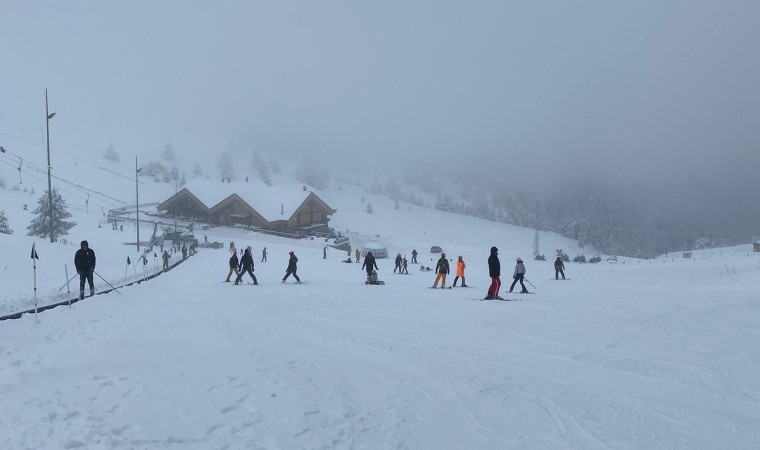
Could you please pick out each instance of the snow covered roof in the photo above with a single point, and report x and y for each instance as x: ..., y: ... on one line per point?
x: 374, y: 245
x: 273, y: 203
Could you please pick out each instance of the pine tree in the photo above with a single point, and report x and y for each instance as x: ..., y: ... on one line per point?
x: 225, y: 166
x: 169, y: 153
x: 4, y: 227
x: 111, y: 154
x: 41, y: 226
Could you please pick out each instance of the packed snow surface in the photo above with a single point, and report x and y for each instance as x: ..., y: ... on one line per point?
x: 630, y: 354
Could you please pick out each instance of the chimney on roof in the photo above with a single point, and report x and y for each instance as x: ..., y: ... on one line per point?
x: 304, y: 188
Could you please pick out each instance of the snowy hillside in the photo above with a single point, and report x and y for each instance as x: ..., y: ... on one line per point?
x: 628, y: 354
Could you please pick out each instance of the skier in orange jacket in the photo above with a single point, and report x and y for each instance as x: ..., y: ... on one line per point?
x: 460, y: 272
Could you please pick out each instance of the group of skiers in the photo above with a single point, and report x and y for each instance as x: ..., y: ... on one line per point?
x: 245, y: 265
x: 401, y: 265
x: 84, y: 261
x: 494, y: 271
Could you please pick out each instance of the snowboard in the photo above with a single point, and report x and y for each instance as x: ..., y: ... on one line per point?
x: 561, y: 279
x: 435, y: 287
x: 379, y: 283
x: 468, y: 286
x: 499, y: 300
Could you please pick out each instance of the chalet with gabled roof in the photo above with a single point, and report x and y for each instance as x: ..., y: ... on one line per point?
x: 254, y: 204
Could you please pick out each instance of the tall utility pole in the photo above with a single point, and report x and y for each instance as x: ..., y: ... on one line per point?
x: 538, y: 227
x: 49, y: 116
x: 137, y: 204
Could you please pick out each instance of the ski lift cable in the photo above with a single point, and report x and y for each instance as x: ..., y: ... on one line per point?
x: 109, y: 201
x: 74, y: 194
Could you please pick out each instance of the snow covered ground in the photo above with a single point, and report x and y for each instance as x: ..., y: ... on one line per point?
x: 629, y: 355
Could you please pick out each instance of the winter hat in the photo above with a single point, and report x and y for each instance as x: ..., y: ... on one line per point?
x: 519, y: 260
x: 494, y: 250
x: 443, y: 255
x: 291, y: 253
x: 84, y: 244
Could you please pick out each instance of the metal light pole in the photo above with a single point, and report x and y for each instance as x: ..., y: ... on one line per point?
x: 49, y: 116
x: 137, y: 204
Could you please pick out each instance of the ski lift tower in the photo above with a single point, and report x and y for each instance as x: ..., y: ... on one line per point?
x: 536, y: 255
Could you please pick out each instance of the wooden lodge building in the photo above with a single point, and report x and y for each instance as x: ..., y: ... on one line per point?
x: 251, y: 204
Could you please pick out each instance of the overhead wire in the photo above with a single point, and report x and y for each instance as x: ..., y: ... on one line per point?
x: 97, y: 198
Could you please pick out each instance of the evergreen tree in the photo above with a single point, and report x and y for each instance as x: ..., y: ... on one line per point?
x: 169, y: 153
x: 262, y: 168
x: 225, y: 166
x: 4, y: 227
x: 42, y: 226
x: 111, y: 154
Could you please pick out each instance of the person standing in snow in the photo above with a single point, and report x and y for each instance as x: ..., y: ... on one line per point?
x: 292, y: 268
x: 369, y: 263
x: 398, y: 264
x: 358, y: 255
x: 324, y: 253
x: 246, y: 266
x: 460, y: 272
x: 404, y: 266
x: 165, y: 257
x: 264, y: 255
x: 84, y: 262
x: 559, y: 268
x: 519, y: 276
x: 233, y: 266
x: 441, y: 270
x: 494, y: 271
x: 414, y: 256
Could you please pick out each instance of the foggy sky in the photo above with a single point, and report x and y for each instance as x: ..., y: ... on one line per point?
x: 662, y: 95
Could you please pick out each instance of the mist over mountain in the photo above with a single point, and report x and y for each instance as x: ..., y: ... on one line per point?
x: 632, y: 126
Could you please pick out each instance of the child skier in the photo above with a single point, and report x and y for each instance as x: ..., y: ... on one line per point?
x: 519, y: 276
x: 460, y: 272
x: 292, y: 268
x: 233, y: 266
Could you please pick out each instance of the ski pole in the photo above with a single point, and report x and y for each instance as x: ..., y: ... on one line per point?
x: 107, y: 282
x: 67, y: 283
x: 529, y: 282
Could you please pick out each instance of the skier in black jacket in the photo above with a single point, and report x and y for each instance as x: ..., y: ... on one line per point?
x: 233, y: 266
x: 398, y: 264
x: 494, y: 271
x: 292, y: 268
x: 84, y: 262
x: 559, y: 268
x: 441, y: 270
x: 246, y: 266
x: 369, y: 263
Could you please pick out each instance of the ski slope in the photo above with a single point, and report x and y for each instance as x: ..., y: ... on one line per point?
x: 628, y: 355
x: 660, y: 354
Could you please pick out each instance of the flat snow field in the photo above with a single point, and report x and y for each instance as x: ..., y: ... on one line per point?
x: 654, y: 354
